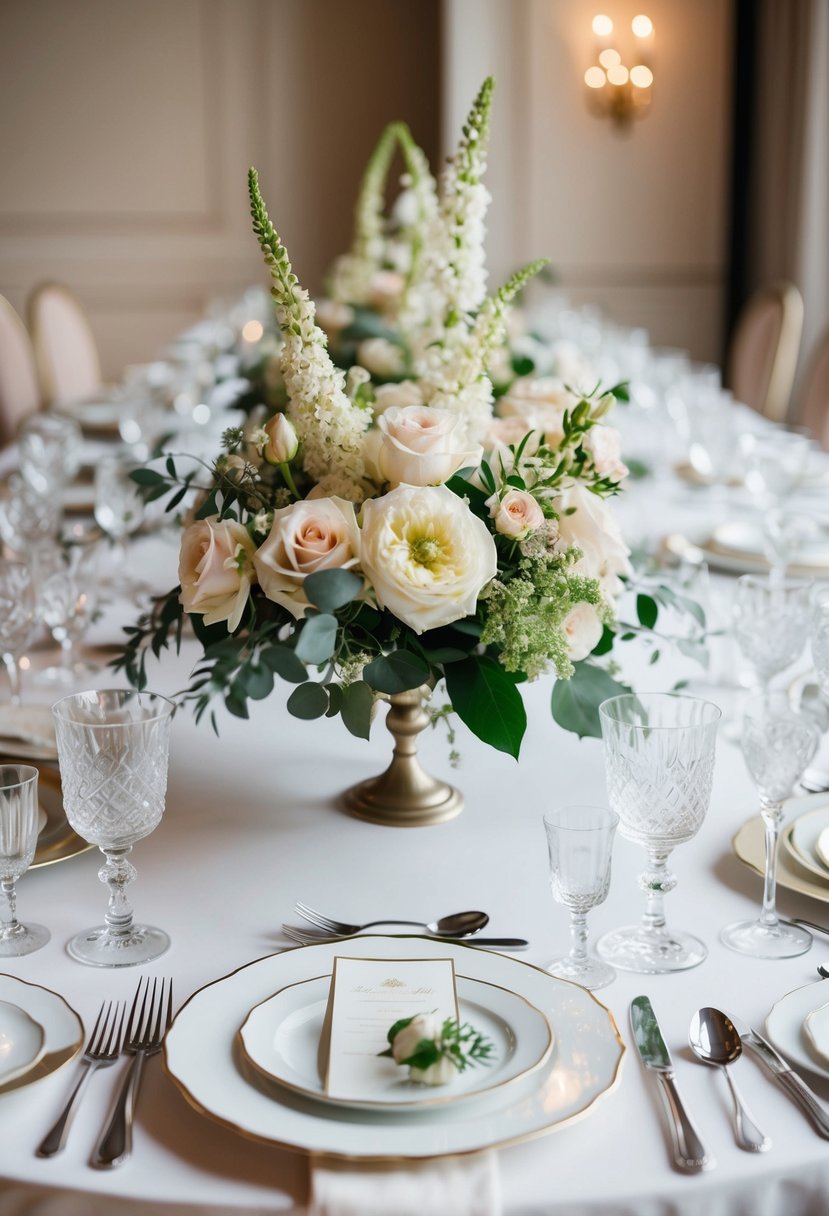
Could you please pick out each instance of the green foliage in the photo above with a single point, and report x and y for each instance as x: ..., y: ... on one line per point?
x: 398, y: 671
x: 487, y: 701
x: 575, y: 702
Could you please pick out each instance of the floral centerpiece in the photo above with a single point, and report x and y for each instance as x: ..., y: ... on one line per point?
x: 378, y: 535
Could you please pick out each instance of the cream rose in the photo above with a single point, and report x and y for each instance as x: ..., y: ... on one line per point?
x: 516, y: 514
x: 422, y: 446
x: 603, y: 445
x: 318, y: 534
x: 406, y: 1042
x: 582, y: 629
x: 593, y: 529
x: 407, y: 392
x: 540, y: 405
x: 509, y: 432
x: 215, y: 570
x: 427, y: 556
x: 386, y: 288
x: 381, y: 357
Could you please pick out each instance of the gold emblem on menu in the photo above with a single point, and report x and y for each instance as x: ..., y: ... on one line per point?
x: 393, y: 983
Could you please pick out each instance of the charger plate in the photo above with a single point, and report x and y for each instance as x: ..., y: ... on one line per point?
x: 749, y: 846
x: 203, y: 1058
x: 786, y: 1027
x: 710, y: 549
x: 281, y: 1038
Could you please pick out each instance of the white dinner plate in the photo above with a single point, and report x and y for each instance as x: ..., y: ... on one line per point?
x: 802, y: 839
x: 816, y: 1033
x: 737, y: 561
x: 22, y: 1042
x: 203, y: 1057
x: 62, y: 1028
x: 785, y: 1026
x: 281, y: 1038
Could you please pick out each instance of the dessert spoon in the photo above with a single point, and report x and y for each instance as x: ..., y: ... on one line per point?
x: 715, y: 1041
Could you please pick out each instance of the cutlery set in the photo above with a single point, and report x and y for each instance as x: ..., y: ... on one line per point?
x: 457, y: 927
x: 139, y: 1034
x: 716, y: 1039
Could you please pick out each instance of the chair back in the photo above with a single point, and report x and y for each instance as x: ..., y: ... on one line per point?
x: 764, y: 348
x: 814, y: 394
x: 65, y: 348
x: 19, y: 392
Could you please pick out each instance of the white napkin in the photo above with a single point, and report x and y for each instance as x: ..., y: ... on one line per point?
x: 29, y: 723
x: 450, y: 1186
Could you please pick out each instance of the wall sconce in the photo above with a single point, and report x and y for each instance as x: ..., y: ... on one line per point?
x: 619, y: 92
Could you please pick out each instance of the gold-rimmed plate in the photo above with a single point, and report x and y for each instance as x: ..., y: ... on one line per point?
x: 203, y: 1057
x: 62, y: 1028
x: 280, y: 1037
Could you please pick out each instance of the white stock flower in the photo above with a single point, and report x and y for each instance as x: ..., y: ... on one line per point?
x: 427, y: 556
x: 315, y: 534
x: 592, y: 528
x: 582, y: 629
x: 215, y: 570
x: 422, y: 446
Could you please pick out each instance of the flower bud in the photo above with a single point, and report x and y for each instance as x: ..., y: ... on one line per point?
x: 282, y: 442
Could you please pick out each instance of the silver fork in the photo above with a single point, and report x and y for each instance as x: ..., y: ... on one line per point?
x: 102, y: 1049
x: 310, y: 937
x: 146, y: 1029
x: 338, y: 927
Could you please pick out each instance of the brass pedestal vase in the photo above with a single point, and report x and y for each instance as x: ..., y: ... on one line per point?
x: 405, y: 795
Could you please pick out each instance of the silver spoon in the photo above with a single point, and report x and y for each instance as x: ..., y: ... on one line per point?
x: 458, y: 924
x: 714, y: 1040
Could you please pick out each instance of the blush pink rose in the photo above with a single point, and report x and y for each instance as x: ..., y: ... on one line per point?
x: 516, y: 514
x: 315, y: 534
x: 422, y: 446
x: 215, y: 570
x: 603, y: 445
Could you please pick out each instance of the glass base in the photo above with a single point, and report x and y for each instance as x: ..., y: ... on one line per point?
x: 23, y: 940
x: 99, y: 947
x: 650, y: 952
x: 590, y: 973
x: 752, y: 937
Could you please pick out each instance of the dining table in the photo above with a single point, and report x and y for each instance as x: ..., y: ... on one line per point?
x: 254, y: 823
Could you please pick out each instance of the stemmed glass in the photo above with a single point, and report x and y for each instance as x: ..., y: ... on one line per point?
x: 17, y: 613
x: 66, y: 602
x: 777, y: 744
x: 820, y: 638
x: 49, y: 452
x: 771, y: 623
x: 774, y: 462
x: 18, y: 840
x: 580, y: 844
x: 659, y: 757
x: 113, y: 748
x: 119, y: 510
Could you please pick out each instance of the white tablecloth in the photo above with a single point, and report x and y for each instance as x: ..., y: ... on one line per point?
x: 252, y: 825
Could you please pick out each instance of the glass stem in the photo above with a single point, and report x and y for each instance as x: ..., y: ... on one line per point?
x: 656, y: 881
x: 13, y: 672
x: 578, y: 933
x: 772, y: 817
x: 9, y: 924
x: 117, y: 872
x: 67, y: 653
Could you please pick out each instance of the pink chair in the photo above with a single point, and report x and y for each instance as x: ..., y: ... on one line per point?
x: 19, y: 392
x: 65, y: 349
x: 764, y: 348
x: 814, y: 395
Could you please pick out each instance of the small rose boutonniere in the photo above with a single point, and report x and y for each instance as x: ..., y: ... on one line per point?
x: 434, y: 1050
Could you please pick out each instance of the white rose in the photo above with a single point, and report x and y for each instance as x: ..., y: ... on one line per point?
x: 407, y: 392
x: 540, y: 405
x: 603, y: 445
x: 423, y: 446
x: 318, y: 534
x: 385, y: 289
x: 593, y: 529
x: 407, y: 1040
x: 509, y: 432
x: 215, y: 570
x: 427, y: 556
x: 582, y: 629
x: 516, y: 514
x: 381, y: 357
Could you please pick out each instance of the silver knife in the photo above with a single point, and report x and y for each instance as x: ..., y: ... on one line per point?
x: 689, y: 1152
x: 785, y: 1075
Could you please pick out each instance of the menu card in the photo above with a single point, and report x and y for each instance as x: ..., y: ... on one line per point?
x: 367, y: 996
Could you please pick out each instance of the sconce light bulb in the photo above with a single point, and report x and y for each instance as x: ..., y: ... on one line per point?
x: 602, y: 26
x: 595, y: 78
x: 252, y: 331
x: 618, y: 75
x: 610, y: 58
x: 642, y: 26
x: 641, y: 77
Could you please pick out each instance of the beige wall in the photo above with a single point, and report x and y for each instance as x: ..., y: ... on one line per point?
x: 126, y: 129
x: 636, y: 222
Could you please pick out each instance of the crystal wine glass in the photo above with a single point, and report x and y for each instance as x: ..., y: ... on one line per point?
x: 659, y: 757
x: 119, y: 510
x: 777, y: 744
x: 820, y: 638
x: 113, y: 748
x: 66, y: 603
x: 17, y: 614
x: 49, y: 452
x: 775, y: 461
x: 771, y: 623
x: 580, y: 844
x: 18, y: 840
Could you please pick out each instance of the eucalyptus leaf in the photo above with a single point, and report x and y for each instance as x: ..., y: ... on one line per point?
x: 647, y: 610
x: 357, y: 704
x: 398, y: 671
x: 329, y: 590
x: 309, y: 700
x: 317, y: 638
x: 283, y: 661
